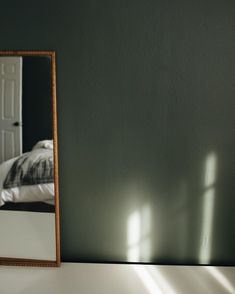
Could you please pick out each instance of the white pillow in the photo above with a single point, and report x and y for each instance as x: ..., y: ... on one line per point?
x: 47, y: 144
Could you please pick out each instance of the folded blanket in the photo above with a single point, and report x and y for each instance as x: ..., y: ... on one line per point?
x: 32, y: 168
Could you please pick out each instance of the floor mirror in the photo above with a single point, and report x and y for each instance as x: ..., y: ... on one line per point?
x: 29, y: 194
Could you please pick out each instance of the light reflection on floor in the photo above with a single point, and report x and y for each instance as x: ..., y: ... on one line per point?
x: 221, y: 279
x: 184, y: 279
x: 147, y: 279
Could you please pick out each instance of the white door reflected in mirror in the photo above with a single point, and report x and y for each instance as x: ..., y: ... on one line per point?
x: 11, y: 104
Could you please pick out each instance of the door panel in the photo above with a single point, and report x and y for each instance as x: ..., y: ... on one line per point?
x: 11, y: 107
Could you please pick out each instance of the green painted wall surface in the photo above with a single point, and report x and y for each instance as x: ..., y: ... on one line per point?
x: 146, y: 124
x: 36, y: 101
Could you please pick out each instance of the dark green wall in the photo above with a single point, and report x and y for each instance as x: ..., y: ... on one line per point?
x: 36, y: 100
x: 145, y: 95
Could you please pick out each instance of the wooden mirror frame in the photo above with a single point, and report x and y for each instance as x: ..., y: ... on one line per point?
x: 36, y: 262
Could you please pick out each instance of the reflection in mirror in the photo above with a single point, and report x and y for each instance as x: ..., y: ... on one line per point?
x: 28, y: 191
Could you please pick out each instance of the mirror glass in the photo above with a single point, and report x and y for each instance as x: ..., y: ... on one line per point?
x: 28, y: 229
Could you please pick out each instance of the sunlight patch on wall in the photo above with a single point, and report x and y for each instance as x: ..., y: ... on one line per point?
x: 133, y: 236
x: 208, y: 208
x: 210, y: 171
x: 138, y: 235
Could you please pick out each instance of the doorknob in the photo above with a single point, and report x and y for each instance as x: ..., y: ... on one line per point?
x: 16, y: 124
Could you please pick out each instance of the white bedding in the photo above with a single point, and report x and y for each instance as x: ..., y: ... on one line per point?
x: 29, y: 193
x: 32, y: 193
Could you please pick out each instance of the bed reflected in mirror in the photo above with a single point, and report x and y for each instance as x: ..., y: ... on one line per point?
x: 28, y: 159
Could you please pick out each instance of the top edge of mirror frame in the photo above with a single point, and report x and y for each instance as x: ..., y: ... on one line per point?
x: 51, y: 53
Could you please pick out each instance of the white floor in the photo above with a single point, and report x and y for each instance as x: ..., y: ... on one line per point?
x: 117, y: 279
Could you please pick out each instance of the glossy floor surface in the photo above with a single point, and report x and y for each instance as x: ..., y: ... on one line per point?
x: 117, y: 279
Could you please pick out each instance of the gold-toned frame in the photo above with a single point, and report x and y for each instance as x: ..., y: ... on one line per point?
x: 36, y: 262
